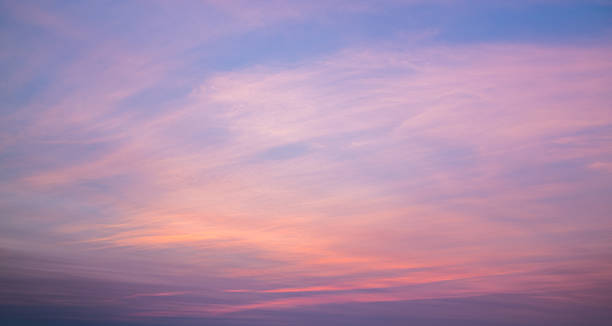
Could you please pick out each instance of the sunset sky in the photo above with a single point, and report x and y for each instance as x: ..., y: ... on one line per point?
x: 323, y: 162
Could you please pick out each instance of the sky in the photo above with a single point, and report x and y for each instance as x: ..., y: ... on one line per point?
x: 280, y: 162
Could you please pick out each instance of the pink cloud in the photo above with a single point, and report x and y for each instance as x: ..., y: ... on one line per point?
x: 415, y: 168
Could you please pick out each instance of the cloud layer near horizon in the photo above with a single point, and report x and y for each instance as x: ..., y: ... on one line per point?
x: 145, y: 186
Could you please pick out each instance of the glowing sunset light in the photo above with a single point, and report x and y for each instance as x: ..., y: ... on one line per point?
x: 306, y: 163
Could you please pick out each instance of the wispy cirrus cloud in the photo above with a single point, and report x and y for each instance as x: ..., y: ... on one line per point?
x: 378, y: 174
x: 406, y: 161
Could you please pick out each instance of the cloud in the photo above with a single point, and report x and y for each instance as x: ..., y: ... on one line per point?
x: 601, y: 166
x: 437, y: 172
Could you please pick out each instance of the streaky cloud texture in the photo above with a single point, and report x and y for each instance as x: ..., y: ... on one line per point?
x: 299, y: 163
